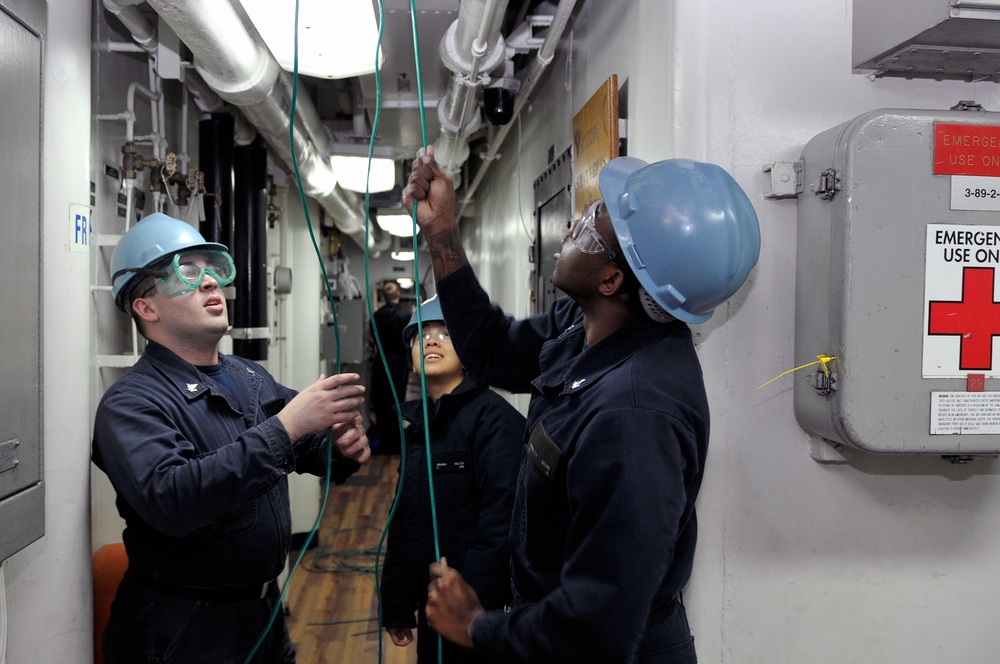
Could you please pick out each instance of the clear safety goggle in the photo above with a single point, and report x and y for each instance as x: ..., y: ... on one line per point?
x: 436, y: 335
x: 583, y: 234
x: 187, y: 269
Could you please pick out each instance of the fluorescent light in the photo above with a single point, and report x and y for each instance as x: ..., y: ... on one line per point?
x: 406, y: 283
x: 336, y: 39
x: 402, y: 255
x: 352, y: 173
x: 400, y: 225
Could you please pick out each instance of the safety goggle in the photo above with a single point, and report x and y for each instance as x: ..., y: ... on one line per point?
x: 583, y: 234
x: 187, y: 270
x: 437, y: 335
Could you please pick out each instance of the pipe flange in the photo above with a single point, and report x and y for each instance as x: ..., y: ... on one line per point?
x: 250, y: 333
x: 461, y: 63
x: 475, y: 120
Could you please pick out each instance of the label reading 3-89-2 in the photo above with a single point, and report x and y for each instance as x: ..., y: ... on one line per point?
x: 973, y: 192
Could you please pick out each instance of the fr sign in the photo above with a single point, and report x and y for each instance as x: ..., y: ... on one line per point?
x: 962, y: 301
x: 79, y: 228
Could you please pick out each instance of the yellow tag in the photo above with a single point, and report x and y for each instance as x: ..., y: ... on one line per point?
x: 821, y: 360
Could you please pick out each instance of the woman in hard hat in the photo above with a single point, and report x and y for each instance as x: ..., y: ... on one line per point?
x: 475, y: 445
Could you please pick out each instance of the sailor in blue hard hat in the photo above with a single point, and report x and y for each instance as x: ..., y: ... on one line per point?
x: 170, y: 257
x: 604, y: 529
x: 198, y: 445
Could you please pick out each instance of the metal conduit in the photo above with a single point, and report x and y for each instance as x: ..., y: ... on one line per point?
x: 542, y: 61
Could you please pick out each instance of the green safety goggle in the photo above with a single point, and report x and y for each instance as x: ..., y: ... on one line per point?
x: 187, y: 269
x: 190, y: 268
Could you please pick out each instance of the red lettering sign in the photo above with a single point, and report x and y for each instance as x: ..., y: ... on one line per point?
x: 961, y: 149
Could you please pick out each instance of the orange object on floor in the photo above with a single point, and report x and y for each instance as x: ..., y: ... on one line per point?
x: 110, y: 562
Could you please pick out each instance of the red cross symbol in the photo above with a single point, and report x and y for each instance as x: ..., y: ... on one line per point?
x: 975, y: 318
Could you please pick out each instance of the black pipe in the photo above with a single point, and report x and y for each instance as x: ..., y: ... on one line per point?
x: 250, y: 250
x: 215, y: 157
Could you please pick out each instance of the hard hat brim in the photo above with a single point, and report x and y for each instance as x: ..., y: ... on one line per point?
x: 611, y: 181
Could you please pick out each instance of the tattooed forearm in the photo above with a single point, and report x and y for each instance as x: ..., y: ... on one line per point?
x: 447, y: 251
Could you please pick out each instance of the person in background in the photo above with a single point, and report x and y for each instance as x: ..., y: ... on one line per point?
x: 390, y: 319
x: 475, y: 442
x: 198, y: 446
x: 604, y: 529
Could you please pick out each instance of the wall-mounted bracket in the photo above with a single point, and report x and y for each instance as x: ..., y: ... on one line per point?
x: 786, y: 178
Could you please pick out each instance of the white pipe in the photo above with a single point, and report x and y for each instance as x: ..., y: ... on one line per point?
x: 134, y: 87
x: 142, y: 30
x: 542, y: 60
x: 124, y: 47
x: 183, y: 156
x: 210, y: 102
x: 479, y: 49
x: 246, y: 75
x: 128, y: 184
x: 465, y: 49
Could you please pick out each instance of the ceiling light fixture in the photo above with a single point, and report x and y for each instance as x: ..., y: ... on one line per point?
x: 336, y: 39
x: 402, y: 256
x: 353, y: 174
x: 400, y: 225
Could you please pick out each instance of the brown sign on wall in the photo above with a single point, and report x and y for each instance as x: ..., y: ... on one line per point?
x: 595, y: 142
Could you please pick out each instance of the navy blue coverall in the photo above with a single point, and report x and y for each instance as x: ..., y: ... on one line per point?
x: 603, y: 533
x: 476, y: 443
x: 200, y: 464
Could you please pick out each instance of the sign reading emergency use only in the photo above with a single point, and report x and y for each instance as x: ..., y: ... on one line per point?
x: 962, y: 301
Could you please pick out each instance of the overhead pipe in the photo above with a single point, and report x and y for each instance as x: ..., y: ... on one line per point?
x: 141, y: 29
x: 209, y: 102
x: 245, y: 74
x: 542, y: 60
x: 471, y: 48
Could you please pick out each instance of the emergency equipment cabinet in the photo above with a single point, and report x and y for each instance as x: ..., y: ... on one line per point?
x: 898, y: 258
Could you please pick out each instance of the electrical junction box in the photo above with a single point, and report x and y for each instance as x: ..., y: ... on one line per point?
x: 898, y: 250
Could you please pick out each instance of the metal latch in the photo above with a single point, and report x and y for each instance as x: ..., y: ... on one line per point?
x: 967, y: 105
x: 824, y: 383
x: 8, y: 455
x: 828, y: 184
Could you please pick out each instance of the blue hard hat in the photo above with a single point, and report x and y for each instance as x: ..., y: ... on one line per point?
x: 430, y: 310
x: 687, y: 229
x: 153, y: 238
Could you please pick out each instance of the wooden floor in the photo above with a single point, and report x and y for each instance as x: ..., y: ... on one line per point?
x: 333, y: 609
